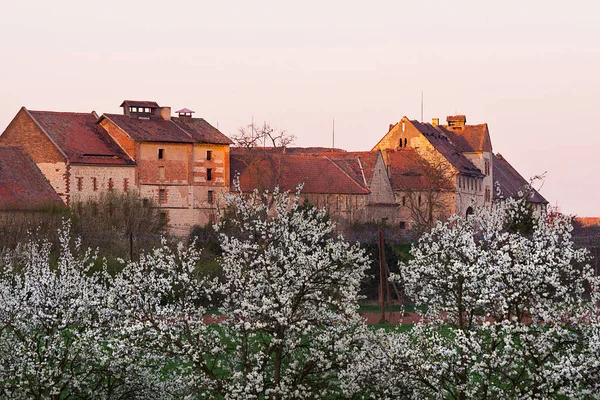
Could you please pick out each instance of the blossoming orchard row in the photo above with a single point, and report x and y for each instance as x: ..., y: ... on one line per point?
x: 510, y: 315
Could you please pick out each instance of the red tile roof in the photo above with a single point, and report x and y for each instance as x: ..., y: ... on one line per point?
x: 80, y: 138
x: 149, y: 129
x: 201, y: 131
x: 436, y: 136
x: 22, y: 185
x: 470, y: 138
x: 360, y: 165
x: 511, y: 181
x: 588, y: 221
x: 320, y: 175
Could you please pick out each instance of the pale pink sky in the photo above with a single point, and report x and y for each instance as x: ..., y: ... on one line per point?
x: 530, y: 69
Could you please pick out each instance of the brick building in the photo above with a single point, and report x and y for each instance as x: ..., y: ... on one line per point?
x: 181, y: 162
x: 78, y: 157
x: 416, y: 173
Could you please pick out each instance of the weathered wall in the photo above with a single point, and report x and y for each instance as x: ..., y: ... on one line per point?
x: 123, y: 140
x: 175, y: 163
x: 82, y: 178
x: 219, y: 164
x: 380, y: 186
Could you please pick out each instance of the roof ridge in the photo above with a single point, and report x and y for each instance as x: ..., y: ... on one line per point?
x: 62, y: 112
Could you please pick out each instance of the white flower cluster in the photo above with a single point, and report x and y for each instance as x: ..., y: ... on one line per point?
x: 507, y: 314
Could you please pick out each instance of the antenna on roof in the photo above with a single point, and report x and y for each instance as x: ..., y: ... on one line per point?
x: 333, y: 135
x: 421, y: 106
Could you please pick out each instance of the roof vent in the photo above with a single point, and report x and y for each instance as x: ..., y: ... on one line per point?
x: 185, y: 114
x: 456, y: 121
x: 435, y: 121
x: 139, y: 108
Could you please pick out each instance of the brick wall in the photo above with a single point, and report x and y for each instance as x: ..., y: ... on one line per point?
x: 23, y: 131
x: 126, y: 143
x: 218, y: 164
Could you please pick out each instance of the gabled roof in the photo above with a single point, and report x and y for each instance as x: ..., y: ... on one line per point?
x: 408, y: 170
x: 201, y: 131
x: 79, y: 137
x: 22, y: 185
x: 359, y: 165
x: 320, y: 175
x: 446, y: 148
x: 511, y: 181
x: 149, y: 129
x: 139, y: 103
x: 470, y: 138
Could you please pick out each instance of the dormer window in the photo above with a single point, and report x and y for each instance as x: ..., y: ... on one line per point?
x: 139, y: 108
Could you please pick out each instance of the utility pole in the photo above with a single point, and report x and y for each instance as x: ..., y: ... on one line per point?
x: 383, y: 274
x: 421, y: 106
x: 333, y: 136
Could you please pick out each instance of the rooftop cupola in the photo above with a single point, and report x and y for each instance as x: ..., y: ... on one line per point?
x: 456, y: 121
x: 135, y: 108
x: 185, y: 114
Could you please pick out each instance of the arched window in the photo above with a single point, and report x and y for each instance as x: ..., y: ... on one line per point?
x: 469, y: 211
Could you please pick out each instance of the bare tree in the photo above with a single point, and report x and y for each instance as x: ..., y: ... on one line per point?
x: 263, y: 148
x: 431, y: 200
x: 265, y: 136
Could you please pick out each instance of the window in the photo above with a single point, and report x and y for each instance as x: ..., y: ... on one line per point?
x: 403, y: 200
x: 162, y: 196
x: 111, y: 184
x: 79, y: 184
x: 487, y: 194
x: 125, y: 184
x: 95, y: 184
x: 209, y: 174
x: 487, y: 166
x: 164, y: 218
x: 161, y: 173
x: 419, y: 200
x: 133, y: 109
x: 210, y: 197
x: 402, y: 225
x: 161, y: 154
x: 208, y: 155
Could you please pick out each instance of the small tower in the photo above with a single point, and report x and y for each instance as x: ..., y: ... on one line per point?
x: 185, y: 114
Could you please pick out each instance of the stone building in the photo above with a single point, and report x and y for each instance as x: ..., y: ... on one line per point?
x: 79, y: 159
x: 417, y: 172
x: 181, y: 162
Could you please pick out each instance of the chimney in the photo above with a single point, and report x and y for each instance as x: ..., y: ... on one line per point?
x: 165, y: 113
x: 435, y: 121
x: 391, y: 126
x: 456, y: 121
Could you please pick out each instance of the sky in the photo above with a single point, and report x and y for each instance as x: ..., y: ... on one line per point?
x: 529, y: 69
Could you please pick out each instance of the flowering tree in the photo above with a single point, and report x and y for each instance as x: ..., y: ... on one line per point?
x: 506, y: 312
x: 55, y: 323
x: 291, y: 297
